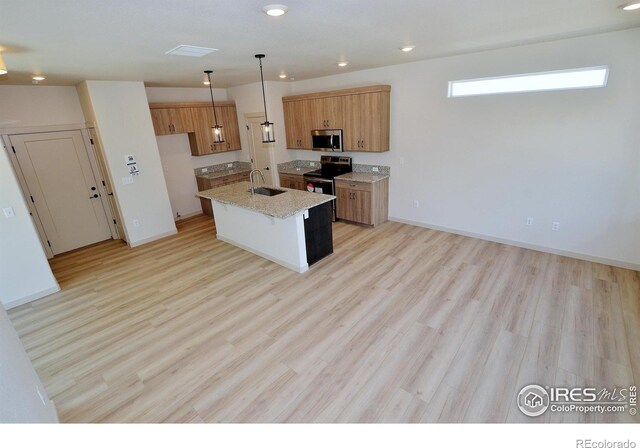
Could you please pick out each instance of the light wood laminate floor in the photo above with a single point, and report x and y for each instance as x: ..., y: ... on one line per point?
x: 400, y: 324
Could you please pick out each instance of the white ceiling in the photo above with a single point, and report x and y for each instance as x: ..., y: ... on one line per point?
x: 72, y: 40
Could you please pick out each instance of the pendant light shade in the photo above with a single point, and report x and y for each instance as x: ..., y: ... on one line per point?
x: 268, y: 135
x: 216, y: 130
x: 3, y: 68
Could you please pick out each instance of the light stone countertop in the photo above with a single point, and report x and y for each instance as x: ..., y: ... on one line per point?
x: 222, y: 173
x: 281, y: 206
x: 362, y: 177
x: 297, y: 171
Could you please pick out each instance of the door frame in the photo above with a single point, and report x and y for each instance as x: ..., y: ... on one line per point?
x: 24, y: 189
x: 249, y: 118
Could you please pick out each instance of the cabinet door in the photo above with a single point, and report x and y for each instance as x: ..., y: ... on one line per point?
x: 229, y: 119
x: 326, y: 113
x: 344, y: 208
x: 181, y: 120
x: 353, y: 205
x: 290, y: 128
x: 161, y: 119
x: 361, y: 206
x: 202, y: 141
x: 297, y: 123
x: 366, y: 122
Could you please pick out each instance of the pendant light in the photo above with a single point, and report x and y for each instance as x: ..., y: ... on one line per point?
x: 267, y: 128
x: 216, y: 129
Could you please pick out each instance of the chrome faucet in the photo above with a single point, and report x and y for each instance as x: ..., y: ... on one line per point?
x: 253, y: 191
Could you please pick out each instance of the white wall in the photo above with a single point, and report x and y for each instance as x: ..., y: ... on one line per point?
x: 19, y: 384
x: 482, y: 165
x: 248, y: 99
x: 121, y: 112
x: 28, y: 106
x: 175, y: 152
x: 25, y: 274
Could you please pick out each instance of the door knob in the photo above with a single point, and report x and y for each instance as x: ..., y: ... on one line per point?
x: 93, y: 188
x: 94, y: 196
x: 266, y: 168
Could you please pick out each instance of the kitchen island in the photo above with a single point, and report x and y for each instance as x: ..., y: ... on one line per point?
x: 291, y: 228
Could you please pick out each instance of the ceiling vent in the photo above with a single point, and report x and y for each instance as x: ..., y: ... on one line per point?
x: 190, y: 50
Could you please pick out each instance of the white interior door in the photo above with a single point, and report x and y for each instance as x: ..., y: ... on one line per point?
x: 63, y: 188
x: 261, y: 153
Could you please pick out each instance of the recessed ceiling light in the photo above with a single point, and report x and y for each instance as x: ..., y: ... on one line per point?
x: 275, y: 10
x: 631, y: 6
x: 38, y: 78
x: 408, y: 48
x: 283, y: 76
x: 190, y: 50
x: 343, y: 64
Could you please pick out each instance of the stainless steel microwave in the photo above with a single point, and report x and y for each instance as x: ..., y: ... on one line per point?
x: 327, y: 140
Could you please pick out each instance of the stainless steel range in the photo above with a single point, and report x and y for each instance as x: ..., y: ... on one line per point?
x: 321, y: 181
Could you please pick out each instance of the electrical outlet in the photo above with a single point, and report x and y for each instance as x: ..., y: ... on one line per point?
x: 127, y: 180
x: 529, y: 222
x: 312, y: 163
x: 416, y: 204
x: 229, y: 165
x: 401, y: 160
x: 375, y: 169
x: 9, y: 213
x: 136, y: 223
x: 555, y: 226
x: 205, y: 170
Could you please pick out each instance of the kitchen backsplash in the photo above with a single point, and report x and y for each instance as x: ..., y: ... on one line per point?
x: 385, y: 170
x: 293, y: 164
x: 222, y: 167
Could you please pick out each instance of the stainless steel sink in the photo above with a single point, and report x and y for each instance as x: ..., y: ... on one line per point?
x: 266, y: 191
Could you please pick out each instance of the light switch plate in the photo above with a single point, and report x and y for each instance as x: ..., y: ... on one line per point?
x: 8, y: 212
x: 127, y: 180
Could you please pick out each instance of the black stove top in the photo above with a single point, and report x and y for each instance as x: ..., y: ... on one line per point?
x: 331, y: 166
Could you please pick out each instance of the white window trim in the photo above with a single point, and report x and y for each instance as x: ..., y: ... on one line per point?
x: 493, y: 78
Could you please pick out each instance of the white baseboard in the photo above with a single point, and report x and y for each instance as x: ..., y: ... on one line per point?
x: 300, y: 269
x: 187, y: 215
x: 31, y: 297
x: 550, y: 250
x: 153, y: 238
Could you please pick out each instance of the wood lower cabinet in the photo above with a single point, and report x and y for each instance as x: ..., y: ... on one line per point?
x: 362, y: 202
x: 362, y: 113
x: 196, y: 120
x: 293, y: 181
x: 207, y: 184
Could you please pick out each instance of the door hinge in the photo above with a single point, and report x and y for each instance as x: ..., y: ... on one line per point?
x: 14, y: 149
x: 49, y: 243
x: 91, y: 140
x: 32, y: 199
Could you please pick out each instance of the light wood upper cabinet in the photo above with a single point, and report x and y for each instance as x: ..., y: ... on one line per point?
x: 362, y: 114
x: 171, y: 121
x: 297, y: 125
x: 326, y: 113
x: 196, y: 119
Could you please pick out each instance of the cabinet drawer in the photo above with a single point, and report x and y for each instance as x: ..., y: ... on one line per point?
x: 360, y: 186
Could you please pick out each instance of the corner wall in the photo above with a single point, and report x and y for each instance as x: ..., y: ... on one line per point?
x: 25, y: 274
x: 121, y: 112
